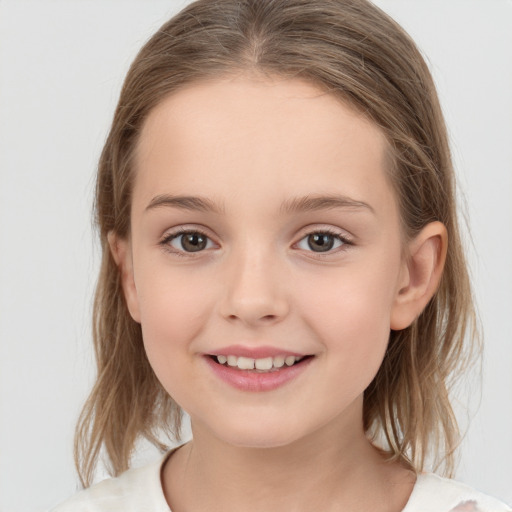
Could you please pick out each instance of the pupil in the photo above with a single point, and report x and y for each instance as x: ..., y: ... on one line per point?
x: 193, y: 242
x: 320, y: 242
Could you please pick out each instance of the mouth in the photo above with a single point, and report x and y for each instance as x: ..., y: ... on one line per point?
x: 260, y: 365
x: 255, y: 369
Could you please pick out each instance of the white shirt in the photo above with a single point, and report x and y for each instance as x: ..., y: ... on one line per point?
x: 140, y: 490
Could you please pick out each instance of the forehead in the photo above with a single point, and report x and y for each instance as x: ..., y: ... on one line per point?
x: 236, y: 135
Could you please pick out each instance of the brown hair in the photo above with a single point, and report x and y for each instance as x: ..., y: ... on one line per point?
x: 354, y: 50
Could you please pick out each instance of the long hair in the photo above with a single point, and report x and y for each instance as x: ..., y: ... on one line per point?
x: 355, y: 51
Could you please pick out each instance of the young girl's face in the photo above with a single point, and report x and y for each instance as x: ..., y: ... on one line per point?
x: 263, y: 229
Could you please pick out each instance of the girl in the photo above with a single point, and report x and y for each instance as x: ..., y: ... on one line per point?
x: 281, y: 260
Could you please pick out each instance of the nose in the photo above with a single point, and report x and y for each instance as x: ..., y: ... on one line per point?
x: 254, y: 290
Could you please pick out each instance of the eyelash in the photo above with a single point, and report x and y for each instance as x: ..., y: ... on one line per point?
x: 165, y: 242
x: 345, y: 241
x: 168, y: 238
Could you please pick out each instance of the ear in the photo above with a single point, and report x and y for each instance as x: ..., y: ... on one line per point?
x: 122, y: 254
x: 421, y: 274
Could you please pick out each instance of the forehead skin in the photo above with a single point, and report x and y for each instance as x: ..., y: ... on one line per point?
x: 243, y: 130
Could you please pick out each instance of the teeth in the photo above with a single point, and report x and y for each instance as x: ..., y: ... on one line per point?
x: 279, y: 361
x: 289, y: 360
x: 245, y: 363
x: 264, y: 364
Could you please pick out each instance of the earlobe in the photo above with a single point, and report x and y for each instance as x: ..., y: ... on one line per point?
x: 421, y: 274
x: 120, y: 249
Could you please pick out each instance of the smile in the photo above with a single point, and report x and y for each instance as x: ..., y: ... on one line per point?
x: 266, y: 364
x: 256, y: 374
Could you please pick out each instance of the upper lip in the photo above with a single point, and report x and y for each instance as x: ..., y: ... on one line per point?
x: 259, y: 352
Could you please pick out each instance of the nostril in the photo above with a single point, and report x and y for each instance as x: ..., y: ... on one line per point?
x: 268, y: 318
x: 253, y: 311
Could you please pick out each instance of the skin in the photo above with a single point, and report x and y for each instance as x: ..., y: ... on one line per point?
x: 251, y: 148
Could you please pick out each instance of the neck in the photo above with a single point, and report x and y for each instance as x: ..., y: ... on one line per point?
x: 325, y: 471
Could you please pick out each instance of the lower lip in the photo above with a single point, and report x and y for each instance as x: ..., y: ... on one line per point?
x: 246, y: 380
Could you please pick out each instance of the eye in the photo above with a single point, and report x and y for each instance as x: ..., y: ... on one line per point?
x: 322, y: 241
x: 188, y: 241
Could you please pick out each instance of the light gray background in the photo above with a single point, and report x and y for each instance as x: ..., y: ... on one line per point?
x: 61, y: 67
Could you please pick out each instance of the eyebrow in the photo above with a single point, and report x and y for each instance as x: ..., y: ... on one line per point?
x: 316, y: 202
x: 295, y: 205
x: 185, y: 203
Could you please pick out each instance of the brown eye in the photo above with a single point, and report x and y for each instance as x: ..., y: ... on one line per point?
x: 192, y: 241
x: 321, y: 242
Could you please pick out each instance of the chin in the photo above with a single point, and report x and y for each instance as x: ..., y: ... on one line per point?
x: 254, y: 434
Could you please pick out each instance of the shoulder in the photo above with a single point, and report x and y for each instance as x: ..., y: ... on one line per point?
x: 136, y: 490
x: 433, y: 493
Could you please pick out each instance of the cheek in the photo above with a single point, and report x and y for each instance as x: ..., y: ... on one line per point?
x: 350, y: 314
x: 174, y: 314
x: 173, y: 311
